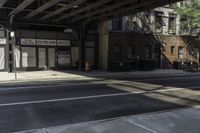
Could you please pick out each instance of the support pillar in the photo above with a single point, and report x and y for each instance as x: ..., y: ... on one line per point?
x: 103, y: 45
x: 10, y: 50
x: 83, y: 36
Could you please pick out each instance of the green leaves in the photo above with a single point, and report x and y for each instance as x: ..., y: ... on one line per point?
x: 191, y: 12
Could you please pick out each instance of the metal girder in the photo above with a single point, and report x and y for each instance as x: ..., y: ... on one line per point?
x: 42, y: 8
x: 20, y: 7
x: 71, y: 5
x: 107, y: 9
x: 2, y: 2
x: 95, y: 5
x: 37, y: 24
x: 132, y: 8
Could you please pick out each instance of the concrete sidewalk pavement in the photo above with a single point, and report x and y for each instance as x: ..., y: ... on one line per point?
x: 75, y: 75
x: 176, y: 121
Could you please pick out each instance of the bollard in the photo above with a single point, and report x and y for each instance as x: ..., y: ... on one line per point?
x: 87, y: 66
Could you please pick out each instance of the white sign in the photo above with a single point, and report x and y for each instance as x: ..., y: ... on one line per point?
x: 2, y: 41
x: 46, y: 42
x: 12, y: 34
x: 63, y: 42
x: 26, y: 41
x: 64, y: 58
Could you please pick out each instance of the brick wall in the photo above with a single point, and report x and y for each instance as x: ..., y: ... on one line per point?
x: 189, y: 44
x: 140, y: 41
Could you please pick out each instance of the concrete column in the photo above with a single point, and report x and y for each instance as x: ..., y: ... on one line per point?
x: 103, y: 45
x: 83, y: 35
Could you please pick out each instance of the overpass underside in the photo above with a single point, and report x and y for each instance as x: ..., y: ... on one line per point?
x: 58, y: 15
x: 62, y: 13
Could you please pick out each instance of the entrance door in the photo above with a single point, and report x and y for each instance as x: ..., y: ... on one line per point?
x: 42, y: 58
x: 51, y: 58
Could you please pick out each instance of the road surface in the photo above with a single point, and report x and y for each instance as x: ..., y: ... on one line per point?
x: 29, y: 106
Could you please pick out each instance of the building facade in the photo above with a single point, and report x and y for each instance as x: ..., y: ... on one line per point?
x: 157, y: 37
x: 44, y: 50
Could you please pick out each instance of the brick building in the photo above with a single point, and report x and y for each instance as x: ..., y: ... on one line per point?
x: 157, y: 35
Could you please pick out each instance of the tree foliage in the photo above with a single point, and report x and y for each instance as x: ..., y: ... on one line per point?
x: 190, y: 11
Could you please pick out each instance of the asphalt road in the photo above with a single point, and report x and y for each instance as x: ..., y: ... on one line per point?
x: 27, y: 106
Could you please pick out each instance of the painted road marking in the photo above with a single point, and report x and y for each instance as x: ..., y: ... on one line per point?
x: 88, y: 97
x: 141, y: 126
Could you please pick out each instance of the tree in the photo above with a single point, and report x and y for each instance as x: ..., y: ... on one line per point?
x: 190, y: 14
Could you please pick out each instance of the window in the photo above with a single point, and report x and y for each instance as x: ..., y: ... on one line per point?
x: 28, y: 57
x: 172, y: 24
x: 173, y: 5
x: 117, y: 52
x: 180, y: 52
x: 130, y: 52
x: 117, y: 24
x: 159, y: 23
x: 184, y: 28
x: 148, y: 52
x: 172, y: 50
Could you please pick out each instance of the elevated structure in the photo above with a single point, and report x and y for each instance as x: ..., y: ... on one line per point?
x: 67, y: 12
x: 60, y: 15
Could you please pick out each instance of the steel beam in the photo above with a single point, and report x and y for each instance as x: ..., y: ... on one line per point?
x: 107, y: 9
x: 21, y: 7
x: 2, y: 2
x: 42, y: 8
x: 95, y: 5
x: 132, y: 8
x: 71, y: 5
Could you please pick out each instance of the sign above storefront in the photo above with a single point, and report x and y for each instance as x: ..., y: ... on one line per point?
x: 46, y: 42
x: 63, y: 42
x: 27, y: 41
x: 3, y: 41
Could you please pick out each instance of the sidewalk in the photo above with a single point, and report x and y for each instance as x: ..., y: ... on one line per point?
x: 176, y: 121
x: 76, y: 75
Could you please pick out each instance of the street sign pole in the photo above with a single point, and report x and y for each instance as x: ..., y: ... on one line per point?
x: 12, y: 34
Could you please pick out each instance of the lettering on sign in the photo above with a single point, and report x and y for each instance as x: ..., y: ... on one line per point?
x: 26, y: 41
x: 2, y: 41
x: 63, y: 42
x: 46, y: 42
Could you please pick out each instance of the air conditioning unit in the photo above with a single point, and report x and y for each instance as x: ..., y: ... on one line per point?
x: 172, y: 31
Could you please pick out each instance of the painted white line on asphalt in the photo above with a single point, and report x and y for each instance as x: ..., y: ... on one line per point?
x: 65, y: 99
x: 141, y: 126
x: 163, y: 79
x: 87, y: 97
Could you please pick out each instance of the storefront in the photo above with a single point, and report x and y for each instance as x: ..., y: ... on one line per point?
x: 42, y: 51
x: 39, y: 50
